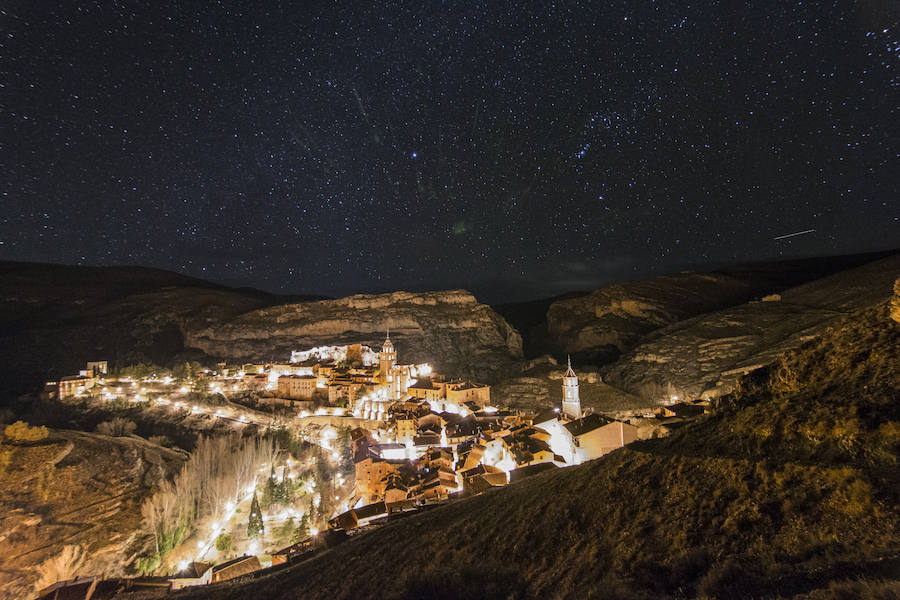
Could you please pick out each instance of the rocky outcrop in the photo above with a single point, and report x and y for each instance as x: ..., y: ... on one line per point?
x: 616, y: 316
x: 598, y: 326
x: 448, y: 329
x: 704, y: 355
x: 70, y: 505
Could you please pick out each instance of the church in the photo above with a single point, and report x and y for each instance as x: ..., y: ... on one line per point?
x: 393, y: 381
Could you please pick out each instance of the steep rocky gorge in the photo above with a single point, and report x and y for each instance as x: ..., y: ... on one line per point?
x: 781, y: 492
x: 449, y: 329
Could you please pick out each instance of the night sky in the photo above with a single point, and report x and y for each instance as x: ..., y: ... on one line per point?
x: 516, y: 150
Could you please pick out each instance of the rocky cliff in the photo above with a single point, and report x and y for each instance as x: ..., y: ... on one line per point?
x: 53, y: 318
x: 449, y: 329
x: 70, y: 505
x: 598, y: 326
x: 613, y: 318
x: 705, y: 354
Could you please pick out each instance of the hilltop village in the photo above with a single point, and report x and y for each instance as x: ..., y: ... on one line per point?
x: 412, y: 439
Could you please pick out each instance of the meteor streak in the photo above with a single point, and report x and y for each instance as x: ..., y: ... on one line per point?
x: 781, y: 237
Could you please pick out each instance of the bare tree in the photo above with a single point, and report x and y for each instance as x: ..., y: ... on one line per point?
x: 61, y: 567
x: 218, y: 472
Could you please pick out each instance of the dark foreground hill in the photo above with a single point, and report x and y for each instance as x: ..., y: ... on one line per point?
x: 789, y: 489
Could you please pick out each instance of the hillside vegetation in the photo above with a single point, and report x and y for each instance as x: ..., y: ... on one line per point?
x: 788, y: 490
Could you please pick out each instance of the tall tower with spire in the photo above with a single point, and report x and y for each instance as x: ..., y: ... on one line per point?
x: 388, y: 358
x: 571, y: 403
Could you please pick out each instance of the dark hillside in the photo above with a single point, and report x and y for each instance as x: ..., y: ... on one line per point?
x: 55, y: 317
x: 789, y: 489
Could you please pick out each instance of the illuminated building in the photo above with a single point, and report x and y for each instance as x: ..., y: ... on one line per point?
x: 571, y: 403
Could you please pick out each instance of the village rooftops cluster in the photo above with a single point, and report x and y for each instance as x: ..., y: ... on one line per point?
x: 427, y: 455
x: 195, y: 573
x: 431, y: 438
x: 347, y: 378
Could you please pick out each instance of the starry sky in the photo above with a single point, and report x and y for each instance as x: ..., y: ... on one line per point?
x: 518, y: 150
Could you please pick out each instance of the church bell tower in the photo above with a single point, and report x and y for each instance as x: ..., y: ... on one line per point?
x: 388, y: 358
x: 571, y: 403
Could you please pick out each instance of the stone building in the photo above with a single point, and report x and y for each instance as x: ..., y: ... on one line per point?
x: 571, y: 402
x: 297, y: 387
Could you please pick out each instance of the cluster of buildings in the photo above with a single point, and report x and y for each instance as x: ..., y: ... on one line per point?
x: 366, y: 383
x: 352, y: 377
x: 74, y: 385
x: 428, y: 454
x: 195, y: 573
x: 431, y: 438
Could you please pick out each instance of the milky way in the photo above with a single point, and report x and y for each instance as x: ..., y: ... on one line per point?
x: 516, y: 151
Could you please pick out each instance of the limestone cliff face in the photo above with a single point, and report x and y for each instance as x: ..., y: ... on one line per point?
x: 55, y: 317
x: 71, y: 505
x: 895, y: 302
x: 706, y: 354
x: 616, y: 316
x: 449, y: 329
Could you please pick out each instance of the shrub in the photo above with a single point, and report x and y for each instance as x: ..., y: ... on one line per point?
x: 20, y: 431
x: 224, y: 543
x: 44, y: 479
x: 147, y: 564
x: 255, y: 523
x: 118, y: 427
x: 160, y: 440
x: 64, y: 565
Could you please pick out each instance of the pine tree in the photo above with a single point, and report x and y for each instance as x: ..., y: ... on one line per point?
x: 302, y: 531
x: 284, y: 493
x: 255, y: 524
x: 271, y: 489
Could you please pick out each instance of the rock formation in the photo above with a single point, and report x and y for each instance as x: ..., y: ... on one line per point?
x: 611, y: 320
x: 83, y: 494
x: 704, y: 355
x: 614, y: 317
x: 53, y: 318
x: 449, y: 329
